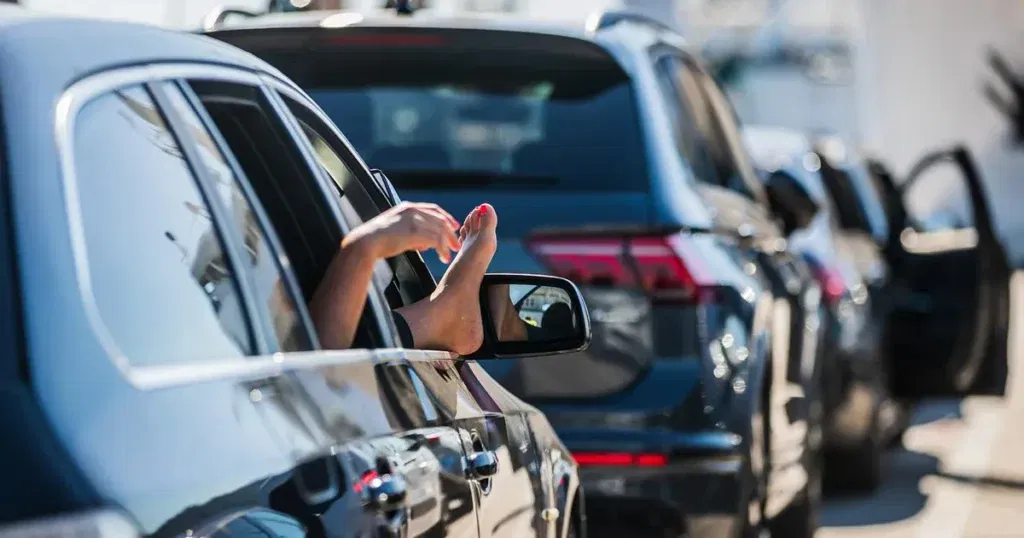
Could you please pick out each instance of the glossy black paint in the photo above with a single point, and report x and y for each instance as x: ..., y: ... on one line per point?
x: 732, y: 418
x: 390, y: 442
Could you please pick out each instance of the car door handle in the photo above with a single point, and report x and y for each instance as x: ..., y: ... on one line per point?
x: 482, y: 465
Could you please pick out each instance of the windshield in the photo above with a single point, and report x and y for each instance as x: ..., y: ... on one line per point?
x: 568, y: 134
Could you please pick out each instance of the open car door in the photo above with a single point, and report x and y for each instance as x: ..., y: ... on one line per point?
x: 948, y: 327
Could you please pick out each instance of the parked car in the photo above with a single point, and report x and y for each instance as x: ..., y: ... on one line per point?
x: 170, y: 203
x: 614, y: 161
x: 860, y: 417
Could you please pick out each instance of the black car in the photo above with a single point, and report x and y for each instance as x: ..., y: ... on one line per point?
x: 613, y: 160
x: 169, y: 204
x: 860, y: 417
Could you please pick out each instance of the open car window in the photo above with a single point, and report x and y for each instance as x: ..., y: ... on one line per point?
x: 275, y: 164
x: 404, y: 278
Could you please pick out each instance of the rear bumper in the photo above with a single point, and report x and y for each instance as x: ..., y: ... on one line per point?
x: 703, y: 495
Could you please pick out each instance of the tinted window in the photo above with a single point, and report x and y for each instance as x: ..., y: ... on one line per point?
x: 157, y: 265
x: 714, y: 129
x: 526, y: 130
x: 267, y: 274
x: 690, y: 142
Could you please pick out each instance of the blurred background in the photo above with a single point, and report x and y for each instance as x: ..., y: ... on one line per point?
x: 899, y: 76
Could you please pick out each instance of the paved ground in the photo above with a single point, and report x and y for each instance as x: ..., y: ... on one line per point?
x: 960, y: 473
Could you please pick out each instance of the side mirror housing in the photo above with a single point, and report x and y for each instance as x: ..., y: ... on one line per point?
x: 790, y: 201
x: 531, y: 315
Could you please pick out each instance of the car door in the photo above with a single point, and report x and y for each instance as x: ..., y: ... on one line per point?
x: 494, y: 433
x: 378, y: 460
x: 949, y: 323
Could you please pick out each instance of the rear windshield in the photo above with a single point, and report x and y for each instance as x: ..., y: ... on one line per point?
x: 520, y: 132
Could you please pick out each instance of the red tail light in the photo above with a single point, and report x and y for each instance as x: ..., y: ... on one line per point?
x: 619, y: 459
x: 833, y: 287
x: 669, y: 268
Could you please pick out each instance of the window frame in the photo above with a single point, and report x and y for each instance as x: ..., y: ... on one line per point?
x: 719, y: 110
x: 224, y: 234
x: 662, y: 62
x: 153, y: 377
x: 220, y: 213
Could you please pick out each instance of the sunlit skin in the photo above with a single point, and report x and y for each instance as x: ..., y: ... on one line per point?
x: 448, y: 320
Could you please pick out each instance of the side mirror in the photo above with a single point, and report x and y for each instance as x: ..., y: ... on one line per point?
x: 531, y: 315
x: 790, y: 201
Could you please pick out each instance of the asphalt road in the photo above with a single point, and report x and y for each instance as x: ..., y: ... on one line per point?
x: 960, y: 472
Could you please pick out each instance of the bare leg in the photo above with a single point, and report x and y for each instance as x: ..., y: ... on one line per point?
x: 449, y: 320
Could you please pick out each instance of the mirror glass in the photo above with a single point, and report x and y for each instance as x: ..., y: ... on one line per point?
x: 532, y: 313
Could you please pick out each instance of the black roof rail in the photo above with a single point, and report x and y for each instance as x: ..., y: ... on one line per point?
x: 610, y: 17
x: 216, y: 17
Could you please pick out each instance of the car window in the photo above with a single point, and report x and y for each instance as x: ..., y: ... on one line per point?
x: 274, y: 166
x: 939, y: 199
x: 297, y: 204
x: 567, y: 130
x: 727, y: 125
x: 157, y: 267
x: 722, y: 167
x: 363, y: 200
x: 262, y: 260
x: 690, y: 143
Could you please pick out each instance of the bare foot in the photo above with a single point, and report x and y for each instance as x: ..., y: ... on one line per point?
x: 450, y: 319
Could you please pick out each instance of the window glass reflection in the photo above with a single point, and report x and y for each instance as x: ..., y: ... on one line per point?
x: 267, y: 274
x: 157, y: 266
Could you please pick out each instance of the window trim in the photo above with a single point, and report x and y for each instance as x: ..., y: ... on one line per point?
x: 150, y: 377
x: 273, y: 242
x: 219, y: 214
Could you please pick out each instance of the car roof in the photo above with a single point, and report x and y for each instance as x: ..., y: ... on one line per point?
x: 425, y: 18
x: 47, y: 50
